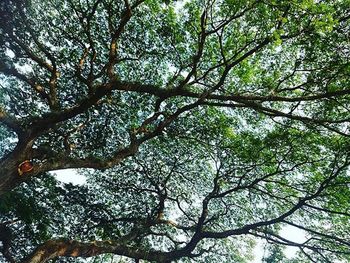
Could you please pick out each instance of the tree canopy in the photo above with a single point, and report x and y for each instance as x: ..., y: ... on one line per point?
x: 202, y: 127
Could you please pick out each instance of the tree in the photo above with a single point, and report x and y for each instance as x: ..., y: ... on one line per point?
x: 205, y: 125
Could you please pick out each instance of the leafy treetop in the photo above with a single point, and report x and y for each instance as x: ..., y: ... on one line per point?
x: 206, y: 125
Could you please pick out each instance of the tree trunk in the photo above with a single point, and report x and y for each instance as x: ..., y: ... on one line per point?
x: 9, y: 175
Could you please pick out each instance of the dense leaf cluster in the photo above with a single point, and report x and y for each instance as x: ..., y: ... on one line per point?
x: 204, y: 129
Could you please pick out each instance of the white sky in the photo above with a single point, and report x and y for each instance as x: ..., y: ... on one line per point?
x: 69, y: 176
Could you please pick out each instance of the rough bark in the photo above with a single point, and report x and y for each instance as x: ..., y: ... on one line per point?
x: 70, y: 248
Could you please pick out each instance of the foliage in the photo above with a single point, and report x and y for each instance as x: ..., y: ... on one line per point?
x: 201, y: 127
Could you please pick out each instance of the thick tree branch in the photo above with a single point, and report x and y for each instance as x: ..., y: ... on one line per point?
x: 71, y: 248
x: 166, y: 93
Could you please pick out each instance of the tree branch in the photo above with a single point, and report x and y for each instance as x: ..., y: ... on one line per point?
x: 11, y: 122
x: 71, y: 248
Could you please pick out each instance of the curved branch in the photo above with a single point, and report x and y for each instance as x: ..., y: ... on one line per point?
x: 71, y: 248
